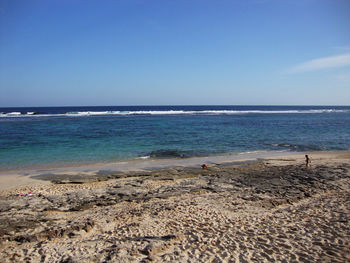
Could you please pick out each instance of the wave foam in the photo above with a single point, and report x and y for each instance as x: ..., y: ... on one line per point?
x: 170, y: 112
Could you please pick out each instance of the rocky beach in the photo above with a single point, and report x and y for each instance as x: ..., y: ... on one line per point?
x: 266, y: 210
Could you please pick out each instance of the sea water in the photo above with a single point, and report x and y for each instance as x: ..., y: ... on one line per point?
x: 55, y: 136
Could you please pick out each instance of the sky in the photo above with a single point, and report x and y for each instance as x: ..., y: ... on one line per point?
x: 174, y: 52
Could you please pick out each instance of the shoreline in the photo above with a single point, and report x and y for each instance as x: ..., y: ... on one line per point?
x: 23, y: 177
x: 267, y: 210
x: 138, y: 161
x: 92, y: 172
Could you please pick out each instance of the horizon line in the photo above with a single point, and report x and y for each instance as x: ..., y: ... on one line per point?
x: 186, y: 105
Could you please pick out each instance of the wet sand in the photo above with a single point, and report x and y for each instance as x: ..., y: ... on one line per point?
x: 257, y: 211
x: 16, y: 178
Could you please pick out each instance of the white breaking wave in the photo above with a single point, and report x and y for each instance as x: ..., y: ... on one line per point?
x: 144, y: 157
x: 88, y: 113
x: 14, y: 113
x: 171, y: 112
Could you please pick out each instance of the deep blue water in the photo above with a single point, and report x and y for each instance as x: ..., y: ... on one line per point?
x: 73, y: 135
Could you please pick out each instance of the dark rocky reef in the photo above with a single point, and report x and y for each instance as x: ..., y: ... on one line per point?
x: 27, y: 219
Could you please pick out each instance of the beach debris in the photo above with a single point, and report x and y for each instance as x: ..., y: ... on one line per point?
x: 204, y: 166
x: 25, y: 194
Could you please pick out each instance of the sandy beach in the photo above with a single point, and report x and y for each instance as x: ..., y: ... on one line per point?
x: 267, y: 210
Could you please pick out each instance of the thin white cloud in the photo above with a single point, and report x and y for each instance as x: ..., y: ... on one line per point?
x: 322, y: 63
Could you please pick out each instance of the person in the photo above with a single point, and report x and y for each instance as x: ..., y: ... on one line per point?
x: 204, y: 166
x: 307, y: 161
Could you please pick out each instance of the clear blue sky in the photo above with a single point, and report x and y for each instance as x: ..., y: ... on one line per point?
x: 178, y: 52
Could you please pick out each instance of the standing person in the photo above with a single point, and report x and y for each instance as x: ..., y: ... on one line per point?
x: 307, y: 161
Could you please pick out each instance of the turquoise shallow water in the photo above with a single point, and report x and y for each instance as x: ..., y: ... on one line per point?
x: 32, y: 137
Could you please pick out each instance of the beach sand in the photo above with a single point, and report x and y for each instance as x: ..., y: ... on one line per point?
x: 257, y: 211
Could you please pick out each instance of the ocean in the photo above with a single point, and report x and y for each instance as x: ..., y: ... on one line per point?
x: 61, y: 136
